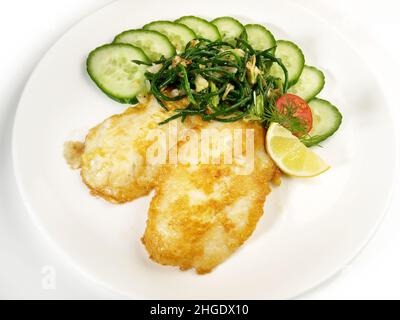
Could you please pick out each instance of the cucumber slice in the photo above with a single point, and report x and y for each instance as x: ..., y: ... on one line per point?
x: 177, y: 33
x: 153, y: 43
x: 293, y: 59
x: 326, y: 121
x: 259, y: 37
x: 202, y: 28
x: 113, y: 71
x: 229, y: 29
x: 310, y: 83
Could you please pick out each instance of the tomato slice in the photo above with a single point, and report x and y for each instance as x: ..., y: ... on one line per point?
x: 300, y: 110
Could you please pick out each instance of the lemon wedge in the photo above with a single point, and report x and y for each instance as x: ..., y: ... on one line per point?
x: 291, y: 155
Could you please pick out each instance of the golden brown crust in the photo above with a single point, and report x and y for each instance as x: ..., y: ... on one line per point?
x: 276, y: 179
x: 73, y: 151
x: 119, y: 195
x: 200, y: 216
x: 114, y: 162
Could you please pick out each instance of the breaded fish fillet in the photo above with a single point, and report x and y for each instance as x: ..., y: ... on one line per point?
x: 113, y: 163
x: 202, y: 213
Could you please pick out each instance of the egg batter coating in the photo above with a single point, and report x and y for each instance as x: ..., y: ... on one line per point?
x: 202, y: 213
x: 113, y: 162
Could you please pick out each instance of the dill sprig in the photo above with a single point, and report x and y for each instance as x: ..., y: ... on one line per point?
x: 288, y: 119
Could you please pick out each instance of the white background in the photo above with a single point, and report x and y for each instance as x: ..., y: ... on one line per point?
x: 29, y: 28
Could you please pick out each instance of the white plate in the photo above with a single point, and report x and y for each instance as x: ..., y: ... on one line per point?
x: 311, y: 228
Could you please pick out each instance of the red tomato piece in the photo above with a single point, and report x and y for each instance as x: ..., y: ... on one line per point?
x: 300, y: 108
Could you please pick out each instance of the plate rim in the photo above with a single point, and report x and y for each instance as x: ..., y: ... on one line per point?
x: 83, y: 271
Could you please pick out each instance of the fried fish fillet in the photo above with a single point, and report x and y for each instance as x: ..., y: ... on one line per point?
x: 202, y: 213
x: 113, y: 162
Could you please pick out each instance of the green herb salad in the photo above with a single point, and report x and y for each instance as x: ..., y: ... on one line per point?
x: 227, y: 71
